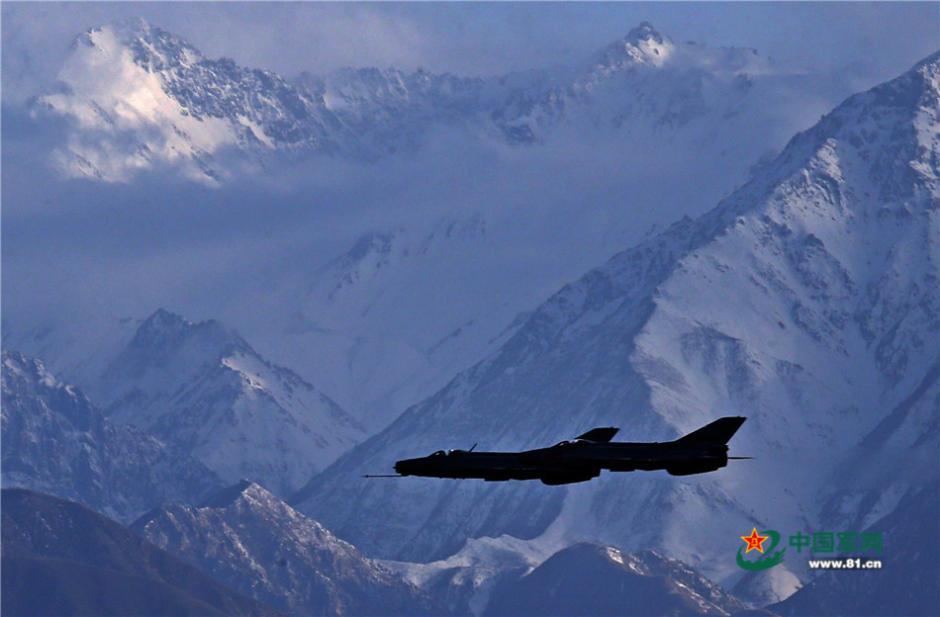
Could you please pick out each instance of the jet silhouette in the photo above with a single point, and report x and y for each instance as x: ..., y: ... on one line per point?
x: 582, y: 458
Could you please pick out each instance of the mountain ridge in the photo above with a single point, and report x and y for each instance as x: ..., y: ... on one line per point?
x: 249, y: 539
x: 195, y: 112
x: 203, y: 388
x: 55, y: 440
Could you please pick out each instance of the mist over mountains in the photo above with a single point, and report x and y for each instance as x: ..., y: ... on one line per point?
x: 139, y: 96
x: 617, y: 146
x: 269, y: 286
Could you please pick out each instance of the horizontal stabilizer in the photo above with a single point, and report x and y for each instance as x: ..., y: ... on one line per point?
x: 599, y: 435
x: 718, y: 432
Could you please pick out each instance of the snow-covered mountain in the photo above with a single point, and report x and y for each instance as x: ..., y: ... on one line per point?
x: 250, y: 540
x: 419, y: 302
x: 139, y: 97
x: 56, y: 441
x: 807, y: 300
x: 643, y: 80
x: 202, y: 388
x: 587, y: 579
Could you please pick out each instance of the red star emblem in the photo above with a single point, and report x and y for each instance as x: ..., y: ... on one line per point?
x: 754, y: 541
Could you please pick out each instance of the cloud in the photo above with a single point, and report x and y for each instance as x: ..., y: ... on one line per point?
x: 73, y: 246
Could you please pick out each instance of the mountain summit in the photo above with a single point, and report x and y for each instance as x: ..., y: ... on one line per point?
x: 642, y: 45
x: 204, y: 389
x: 141, y: 97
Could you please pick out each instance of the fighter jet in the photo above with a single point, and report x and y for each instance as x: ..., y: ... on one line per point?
x: 582, y: 458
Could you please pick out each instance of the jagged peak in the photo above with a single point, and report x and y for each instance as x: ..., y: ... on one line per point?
x: 929, y: 70
x: 167, y: 330
x: 23, y: 374
x: 644, y: 32
x: 14, y: 359
x: 643, y: 45
x: 248, y: 495
x: 162, y: 320
x: 230, y: 494
x: 153, y: 48
x: 33, y: 369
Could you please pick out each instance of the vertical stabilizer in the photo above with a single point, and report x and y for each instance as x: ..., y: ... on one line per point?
x: 718, y: 432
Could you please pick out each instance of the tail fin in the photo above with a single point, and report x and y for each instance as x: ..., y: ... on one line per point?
x: 718, y: 432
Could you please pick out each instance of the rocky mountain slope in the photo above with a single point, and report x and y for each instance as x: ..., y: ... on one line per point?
x: 55, y: 441
x: 391, y: 110
x: 141, y: 97
x: 463, y: 582
x: 587, y: 579
x: 60, y: 558
x: 646, y: 84
x: 250, y: 540
x: 204, y: 389
x: 805, y: 301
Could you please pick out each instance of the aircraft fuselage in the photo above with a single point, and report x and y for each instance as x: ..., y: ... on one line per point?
x: 567, y: 462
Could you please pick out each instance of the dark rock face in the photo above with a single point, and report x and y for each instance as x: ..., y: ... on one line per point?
x: 587, y: 579
x: 54, y: 440
x: 60, y: 558
x: 907, y: 582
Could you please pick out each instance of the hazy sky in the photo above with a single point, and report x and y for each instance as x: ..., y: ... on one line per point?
x: 875, y: 40
x: 153, y: 243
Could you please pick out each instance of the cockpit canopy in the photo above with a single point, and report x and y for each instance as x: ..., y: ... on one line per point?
x: 448, y: 452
